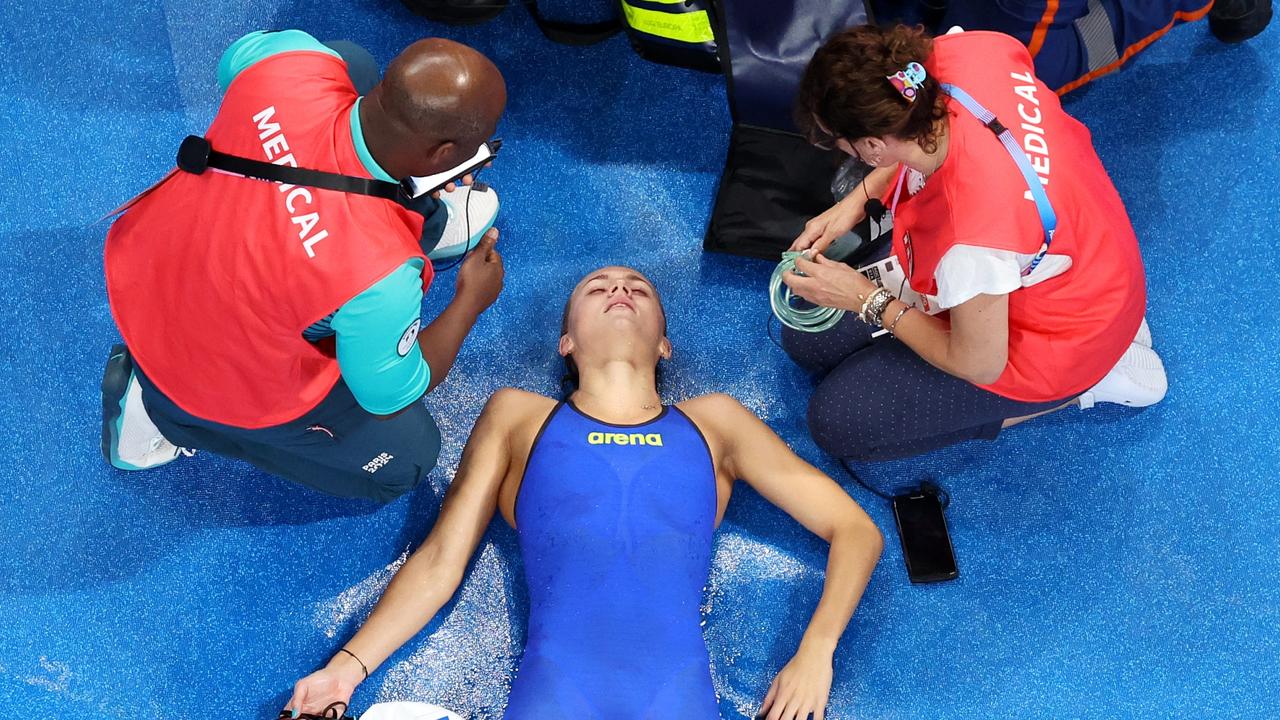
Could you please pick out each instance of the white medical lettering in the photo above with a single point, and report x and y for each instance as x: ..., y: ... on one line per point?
x: 288, y: 200
x: 268, y: 128
x: 1033, y: 141
x: 273, y: 144
x: 308, y: 222
x: 311, y: 241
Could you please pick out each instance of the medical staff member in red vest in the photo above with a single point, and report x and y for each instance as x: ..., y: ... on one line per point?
x: 280, y: 324
x: 1009, y: 224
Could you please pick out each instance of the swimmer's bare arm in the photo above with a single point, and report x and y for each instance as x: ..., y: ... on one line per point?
x: 433, y: 572
x: 751, y: 451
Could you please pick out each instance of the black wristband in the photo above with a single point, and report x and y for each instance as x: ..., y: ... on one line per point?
x: 362, y: 665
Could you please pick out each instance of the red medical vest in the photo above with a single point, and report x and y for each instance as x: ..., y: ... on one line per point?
x: 212, y: 278
x: 1067, y: 332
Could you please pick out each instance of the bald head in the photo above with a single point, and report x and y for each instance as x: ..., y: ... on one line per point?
x: 437, y: 101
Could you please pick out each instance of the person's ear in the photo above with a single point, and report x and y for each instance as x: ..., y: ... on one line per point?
x: 664, y: 349
x: 873, y: 151
x: 440, y: 155
x: 566, y: 345
x: 874, y: 145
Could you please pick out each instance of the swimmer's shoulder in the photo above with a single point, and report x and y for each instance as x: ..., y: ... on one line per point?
x: 712, y: 404
x: 514, y: 408
x: 716, y: 414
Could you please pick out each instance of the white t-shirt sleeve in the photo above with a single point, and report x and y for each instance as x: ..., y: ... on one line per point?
x: 967, y: 271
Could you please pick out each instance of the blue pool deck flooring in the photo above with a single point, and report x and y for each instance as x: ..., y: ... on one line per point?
x: 1114, y: 563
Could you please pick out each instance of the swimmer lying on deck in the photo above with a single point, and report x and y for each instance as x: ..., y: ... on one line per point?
x: 615, y: 498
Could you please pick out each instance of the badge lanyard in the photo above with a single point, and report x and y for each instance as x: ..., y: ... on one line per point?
x: 1048, y: 218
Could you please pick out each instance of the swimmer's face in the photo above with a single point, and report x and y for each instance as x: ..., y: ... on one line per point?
x: 614, y: 300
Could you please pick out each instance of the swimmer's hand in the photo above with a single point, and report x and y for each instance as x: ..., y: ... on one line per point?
x: 480, y: 277
x: 836, y: 221
x: 333, y: 683
x: 802, y: 688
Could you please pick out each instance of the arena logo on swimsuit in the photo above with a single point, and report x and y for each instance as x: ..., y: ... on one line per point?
x: 603, y: 438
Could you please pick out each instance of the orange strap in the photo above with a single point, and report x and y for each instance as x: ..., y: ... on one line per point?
x: 1042, y: 28
x: 1137, y: 47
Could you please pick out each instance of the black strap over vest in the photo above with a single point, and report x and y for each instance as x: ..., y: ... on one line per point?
x: 196, y: 154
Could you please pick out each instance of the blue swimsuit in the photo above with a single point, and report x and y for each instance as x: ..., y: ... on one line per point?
x: 615, y: 526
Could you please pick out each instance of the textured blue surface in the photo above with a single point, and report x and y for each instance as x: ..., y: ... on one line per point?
x: 1114, y: 563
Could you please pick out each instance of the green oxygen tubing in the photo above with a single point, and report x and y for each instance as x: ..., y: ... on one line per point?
x: 814, y: 318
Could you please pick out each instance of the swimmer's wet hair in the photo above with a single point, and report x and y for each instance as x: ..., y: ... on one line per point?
x: 569, y: 381
x: 845, y: 87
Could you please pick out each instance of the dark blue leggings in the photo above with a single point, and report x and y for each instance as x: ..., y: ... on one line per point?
x: 337, y: 447
x: 879, y: 400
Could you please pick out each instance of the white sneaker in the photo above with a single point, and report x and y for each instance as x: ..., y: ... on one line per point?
x: 1138, y: 380
x: 130, y: 441
x: 1143, y: 337
x: 479, y: 202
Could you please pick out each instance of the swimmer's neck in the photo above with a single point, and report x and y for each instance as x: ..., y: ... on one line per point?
x: 617, y: 391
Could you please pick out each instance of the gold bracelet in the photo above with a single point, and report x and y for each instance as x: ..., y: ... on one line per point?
x: 894, y: 325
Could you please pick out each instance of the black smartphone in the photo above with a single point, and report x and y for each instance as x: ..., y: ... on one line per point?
x: 926, y: 545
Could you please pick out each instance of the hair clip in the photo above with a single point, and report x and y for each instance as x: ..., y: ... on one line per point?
x: 908, y: 80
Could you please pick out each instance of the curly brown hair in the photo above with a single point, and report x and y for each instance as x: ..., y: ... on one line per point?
x: 846, y: 88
